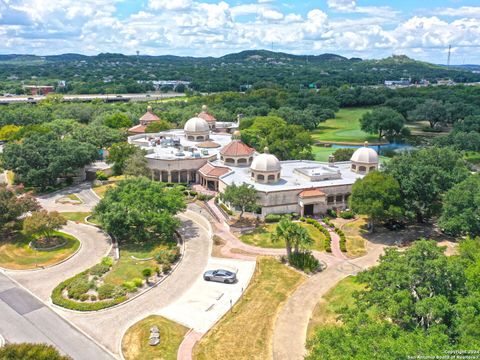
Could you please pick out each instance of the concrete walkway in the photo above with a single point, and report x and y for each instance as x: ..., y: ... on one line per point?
x: 84, y: 193
x: 291, y: 325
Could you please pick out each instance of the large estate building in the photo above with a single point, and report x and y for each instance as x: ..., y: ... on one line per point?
x: 208, y: 154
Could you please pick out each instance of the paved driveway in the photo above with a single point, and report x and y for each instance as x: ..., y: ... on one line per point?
x: 206, y: 302
x: 24, y: 318
x: 108, y: 326
x: 95, y: 245
x: 83, y: 191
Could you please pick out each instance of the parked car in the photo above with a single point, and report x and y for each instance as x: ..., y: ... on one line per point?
x: 220, y: 275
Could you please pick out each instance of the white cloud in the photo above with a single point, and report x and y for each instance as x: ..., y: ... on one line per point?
x: 342, y: 5
x: 169, y: 4
x: 463, y: 11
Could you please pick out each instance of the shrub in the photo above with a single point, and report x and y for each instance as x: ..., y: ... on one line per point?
x: 147, y: 272
x: 295, y: 215
x: 106, y: 291
x: 226, y: 209
x: 347, y: 214
x: 93, y: 298
x: 157, y: 270
x: 331, y: 213
x: 327, y: 222
x: 204, y: 197
x: 193, y: 193
x: 166, y: 268
x: 343, y: 240
x: 302, y: 219
x: 304, y: 260
x: 168, y: 256
x: 129, y: 286
x: 324, y: 231
x: 79, y: 286
x: 84, y: 297
x: 272, y: 218
x: 107, y: 261
x: 99, y: 269
x: 58, y: 299
x: 138, y: 282
x: 100, y: 175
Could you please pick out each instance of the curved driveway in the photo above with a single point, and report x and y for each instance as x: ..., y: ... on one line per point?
x: 108, y: 326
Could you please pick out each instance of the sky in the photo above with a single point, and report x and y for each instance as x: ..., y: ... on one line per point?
x: 353, y: 28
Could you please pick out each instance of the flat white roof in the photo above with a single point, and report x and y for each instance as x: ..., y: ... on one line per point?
x: 188, y: 149
x: 290, y: 180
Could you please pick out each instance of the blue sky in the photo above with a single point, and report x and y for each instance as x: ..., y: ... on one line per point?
x: 360, y: 28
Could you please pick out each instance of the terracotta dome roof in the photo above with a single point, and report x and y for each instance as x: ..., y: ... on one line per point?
x: 149, y: 116
x: 365, y: 155
x: 237, y: 148
x: 196, y: 124
x: 266, y: 162
x: 205, y: 115
x: 208, y: 145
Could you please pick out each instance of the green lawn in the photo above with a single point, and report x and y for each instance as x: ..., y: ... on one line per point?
x: 79, y: 216
x: 127, y: 268
x: 322, y: 153
x: 16, y: 253
x: 246, y: 332
x: 326, y: 311
x: 262, y: 237
x: 135, y: 342
x: 344, y: 128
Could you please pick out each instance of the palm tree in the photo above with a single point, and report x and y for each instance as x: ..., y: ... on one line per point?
x: 285, y: 231
x: 302, y: 238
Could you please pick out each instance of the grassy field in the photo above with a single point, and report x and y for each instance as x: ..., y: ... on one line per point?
x: 326, y: 311
x: 101, y: 190
x: 344, y: 128
x: 135, y: 342
x: 246, y: 332
x: 322, y: 153
x: 354, y: 232
x: 262, y: 237
x: 18, y: 255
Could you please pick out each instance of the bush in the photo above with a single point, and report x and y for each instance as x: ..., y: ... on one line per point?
x: 138, y: 282
x: 166, y: 268
x: 304, y: 260
x: 204, y: 197
x: 226, y: 209
x: 84, y: 297
x: 129, y: 286
x: 107, y: 261
x: 347, y: 214
x: 324, y: 231
x: 343, y: 240
x: 79, y: 286
x: 331, y: 213
x: 58, y: 299
x: 93, y: 298
x: 327, y: 222
x: 100, y: 175
x: 295, y: 215
x: 168, y: 256
x: 99, y: 269
x: 106, y: 291
x: 302, y: 219
x: 147, y: 272
x: 193, y: 193
x: 272, y: 218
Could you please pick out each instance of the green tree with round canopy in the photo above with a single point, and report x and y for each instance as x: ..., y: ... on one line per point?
x: 383, y: 121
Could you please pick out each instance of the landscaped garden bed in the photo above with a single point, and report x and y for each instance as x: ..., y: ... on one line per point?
x: 109, y: 283
x: 135, y: 343
x: 22, y: 252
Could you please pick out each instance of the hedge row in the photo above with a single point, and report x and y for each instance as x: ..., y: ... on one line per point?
x: 324, y: 231
x: 58, y: 299
x: 343, y: 240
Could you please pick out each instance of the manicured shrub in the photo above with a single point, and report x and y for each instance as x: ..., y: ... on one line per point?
x: 99, y: 269
x: 295, y: 215
x: 138, y: 282
x: 324, y: 231
x: 147, y: 272
x: 347, y: 214
x: 93, y: 298
x: 107, y: 261
x: 106, y: 291
x: 168, y: 256
x: 331, y: 213
x: 304, y: 260
x: 193, y: 193
x: 100, y: 175
x: 129, y: 286
x: 84, y: 297
x: 272, y: 218
x: 226, y: 209
x: 204, y: 197
x: 166, y: 268
x: 79, y: 286
x: 302, y: 219
x: 343, y: 240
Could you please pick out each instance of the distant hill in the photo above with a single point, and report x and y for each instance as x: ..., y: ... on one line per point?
x: 112, y: 72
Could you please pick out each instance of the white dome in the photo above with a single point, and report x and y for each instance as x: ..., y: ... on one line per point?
x: 196, y: 125
x: 265, y: 163
x: 365, y: 155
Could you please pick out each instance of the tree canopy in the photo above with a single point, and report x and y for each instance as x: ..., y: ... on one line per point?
x: 243, y: 196
x: 139, y: 209
x: 461, y: 208
x: 383, y: 121
x: 43, y: 223
x: 377, y: 195
x: 12, y: 207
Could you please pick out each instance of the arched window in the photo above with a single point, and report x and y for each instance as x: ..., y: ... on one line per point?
x: 372, y: 168
x: 354, y: 167
x: 260, y: 177
x: 271, y: 177
x: 252, y: 175
x: 199, y: 138
x: 362, y: 169
x: 229, y: 160
x: 241, y: 161
x: 191, y: 138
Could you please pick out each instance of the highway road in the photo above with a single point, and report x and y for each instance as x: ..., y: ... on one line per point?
x: 90, y: 97
x: 24, y: 318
